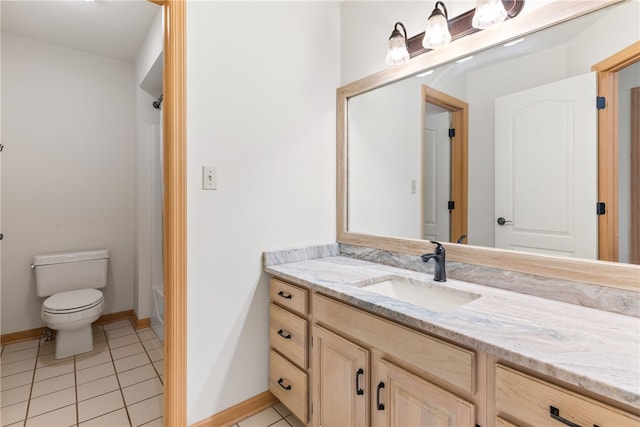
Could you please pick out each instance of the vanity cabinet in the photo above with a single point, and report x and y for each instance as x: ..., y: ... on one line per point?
x: 374, y: 381
x: 341, y: 370
x: 528, y: 400
x: 289, y: 342
x: 405, y: 399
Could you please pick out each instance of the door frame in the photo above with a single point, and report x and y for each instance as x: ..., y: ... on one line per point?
x: 459, y: 158
x: 174, y: 209
x: 607, y: 79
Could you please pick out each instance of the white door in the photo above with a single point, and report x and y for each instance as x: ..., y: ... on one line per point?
x: 546, y: 169
x: 436, y: 173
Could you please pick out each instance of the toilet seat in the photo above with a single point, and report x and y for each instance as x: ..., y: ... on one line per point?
x: 72, y: 301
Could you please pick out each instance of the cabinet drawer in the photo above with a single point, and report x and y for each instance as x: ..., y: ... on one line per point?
x: 289, y: 296
x: 288, y: 334
x: 448, y: 362
x: 289, y: 385
x: 530, y: 400
x: 501, y: 422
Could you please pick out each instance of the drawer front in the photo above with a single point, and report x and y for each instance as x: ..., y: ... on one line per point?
x: 530, y: 400
x: 289, y: 296
x: 289, y: 385
x: 445, y: 361
x: 501, y: 422
x: 288, y: 335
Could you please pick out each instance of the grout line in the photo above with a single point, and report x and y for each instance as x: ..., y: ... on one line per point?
x: 75, y: 383
x: 156, y: 419
x: 33, y: 377
x: 126, y: 408
x: 106, y: 413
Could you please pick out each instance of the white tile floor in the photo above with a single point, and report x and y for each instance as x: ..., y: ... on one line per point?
x: 276, y: 416
x: 118, y: 384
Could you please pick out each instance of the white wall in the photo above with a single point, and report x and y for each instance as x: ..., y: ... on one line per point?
x: 261, y: 81
x: 68, y: 168
x: 148, y: 146
x: 384, y: 126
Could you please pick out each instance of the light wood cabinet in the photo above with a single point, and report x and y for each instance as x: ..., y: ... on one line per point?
x: 335, y: 365
x: 527, y: 400
x: 405, y: 399
x: 289, y: 342
x: 341, y: 371
x: 350, y: 391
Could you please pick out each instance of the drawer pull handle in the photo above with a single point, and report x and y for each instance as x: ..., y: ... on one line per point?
x: 359, y: 391
x: 378, y: 404
x: 281, y: 384
x: 555, y: 414
x: 284, y: 334
x: 284, y: 294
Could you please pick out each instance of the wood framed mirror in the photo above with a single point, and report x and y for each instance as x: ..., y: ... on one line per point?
x: 604, y: 273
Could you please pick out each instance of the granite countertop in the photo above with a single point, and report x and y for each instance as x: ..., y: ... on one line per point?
x: 596, y: 350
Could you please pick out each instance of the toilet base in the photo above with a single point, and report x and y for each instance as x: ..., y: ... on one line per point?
x: 73, y: 341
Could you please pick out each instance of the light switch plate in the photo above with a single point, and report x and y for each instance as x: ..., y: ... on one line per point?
x: 209, y: 178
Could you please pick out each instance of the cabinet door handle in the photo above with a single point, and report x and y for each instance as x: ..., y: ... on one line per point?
x: 281, y: 384
x: 284, y: 334
x: 359, y: 391
x: 378, y: 404
x: 284, y: 294
x: 555, y: 414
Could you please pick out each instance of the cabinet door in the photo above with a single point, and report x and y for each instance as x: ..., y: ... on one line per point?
x: 341, y: 381
x: 402, y: 399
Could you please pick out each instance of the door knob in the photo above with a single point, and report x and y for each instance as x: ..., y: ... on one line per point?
x: 502, y: 221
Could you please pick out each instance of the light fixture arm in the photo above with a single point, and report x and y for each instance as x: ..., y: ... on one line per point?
x: 437, y: 11
x: 396, y: 32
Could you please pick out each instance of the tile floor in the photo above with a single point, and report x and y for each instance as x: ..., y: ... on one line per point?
x: 276, y: 416
x: 118, y: 384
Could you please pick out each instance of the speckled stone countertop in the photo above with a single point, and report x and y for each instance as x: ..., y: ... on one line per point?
x: 593, y: 349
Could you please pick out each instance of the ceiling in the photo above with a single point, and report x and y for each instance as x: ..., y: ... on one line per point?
x: 113, y: 28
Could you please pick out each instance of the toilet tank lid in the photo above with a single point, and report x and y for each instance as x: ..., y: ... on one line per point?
x: 64, y: 257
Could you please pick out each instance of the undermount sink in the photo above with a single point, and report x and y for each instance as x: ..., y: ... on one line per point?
x: 433, y: 297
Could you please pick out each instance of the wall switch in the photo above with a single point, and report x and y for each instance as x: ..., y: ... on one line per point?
x: 209, y: 178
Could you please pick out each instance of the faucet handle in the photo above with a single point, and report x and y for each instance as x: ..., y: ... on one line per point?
x: 439, y: 248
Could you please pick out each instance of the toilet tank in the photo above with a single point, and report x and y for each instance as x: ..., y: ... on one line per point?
x: 70, y: 271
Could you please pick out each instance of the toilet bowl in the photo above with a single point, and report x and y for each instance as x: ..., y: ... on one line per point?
x: 71, y: 314
x: 70, y: 281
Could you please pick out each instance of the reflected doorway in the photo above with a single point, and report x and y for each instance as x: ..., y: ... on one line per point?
x: 444, y: 158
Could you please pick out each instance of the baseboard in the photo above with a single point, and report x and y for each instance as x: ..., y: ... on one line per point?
x: 112, y: 317
x: 38, y: 332
x: 239, y: 412
x: 21, y: 335
x: 141, y: 323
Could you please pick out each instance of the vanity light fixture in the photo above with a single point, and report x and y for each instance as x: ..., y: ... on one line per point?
x: 488, y: 13
x: 458, y: 27
x: 436, y: 33
x: 397, y: 52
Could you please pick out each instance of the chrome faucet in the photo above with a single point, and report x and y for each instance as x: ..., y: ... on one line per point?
x: 439, y: 274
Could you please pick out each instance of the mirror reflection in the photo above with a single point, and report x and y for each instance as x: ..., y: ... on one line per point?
x: 531, y: 165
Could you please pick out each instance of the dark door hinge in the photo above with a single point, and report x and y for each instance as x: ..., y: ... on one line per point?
x: 1, y: 147
x: 601, y: 102
x: 452, y: 133
x: 1, y: 236
x: 601, y: 208
x: 451, y: 205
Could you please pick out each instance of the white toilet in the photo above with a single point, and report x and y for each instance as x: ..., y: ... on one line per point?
x: 71, y: 281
